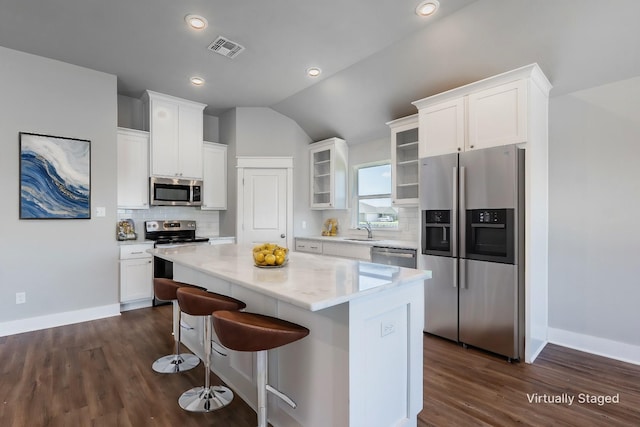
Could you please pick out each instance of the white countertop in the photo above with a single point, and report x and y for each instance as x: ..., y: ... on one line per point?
x: 309, y: 281
x: 387, y: 243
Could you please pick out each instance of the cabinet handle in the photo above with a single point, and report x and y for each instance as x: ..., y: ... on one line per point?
x: 148, y: 262
x: 471, y: 146
x: 138, y: 252
x: 459, y: 149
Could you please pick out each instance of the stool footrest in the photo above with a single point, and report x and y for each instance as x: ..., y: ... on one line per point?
x: 218, y: 348
x: 281, y: 395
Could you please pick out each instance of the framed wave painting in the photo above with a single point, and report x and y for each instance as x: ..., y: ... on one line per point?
x: 55, y: 177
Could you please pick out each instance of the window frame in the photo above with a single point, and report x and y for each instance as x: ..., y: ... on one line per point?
x: 357, y: 198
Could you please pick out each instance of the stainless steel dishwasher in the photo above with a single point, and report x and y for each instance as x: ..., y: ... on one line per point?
x: 394, y: 256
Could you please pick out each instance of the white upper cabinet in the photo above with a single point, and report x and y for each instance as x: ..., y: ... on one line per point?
x: 133, y: 169
x: 442, y: 128
x: 404, y: 160
x: 488, y: 113
x: 175, y: 126
x: 498, y: 115
x: 214, y: 191
x: 328, y: 169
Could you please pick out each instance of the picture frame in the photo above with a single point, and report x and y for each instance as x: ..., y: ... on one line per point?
x: 55, y: 177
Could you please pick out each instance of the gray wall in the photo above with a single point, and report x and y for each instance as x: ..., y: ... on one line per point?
x: 228, y: 136
x: 594, y: 206
x: 62, y: 265
x: 263, y: 132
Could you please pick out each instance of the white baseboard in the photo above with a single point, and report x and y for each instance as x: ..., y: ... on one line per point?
x: 534, y: 350
x: 601, y: 346
x: 58, y: 319
x: 126, y: 306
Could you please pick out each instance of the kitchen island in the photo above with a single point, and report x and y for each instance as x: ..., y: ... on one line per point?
x: 361, y: 364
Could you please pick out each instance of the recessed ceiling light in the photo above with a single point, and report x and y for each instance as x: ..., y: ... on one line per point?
x: 196, y: 22
x: 313, y: 71
x: 427, y: 7
x: 196, y: 81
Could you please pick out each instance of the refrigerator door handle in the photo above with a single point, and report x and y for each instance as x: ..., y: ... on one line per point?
x: 454, y: 216
x: 463, y: 274
x: 462, y: 219
x: 455, y: 273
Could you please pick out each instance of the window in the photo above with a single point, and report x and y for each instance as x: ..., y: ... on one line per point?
x: 374, y: 197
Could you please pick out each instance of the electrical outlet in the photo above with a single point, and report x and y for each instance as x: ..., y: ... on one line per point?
x: 21, y: 297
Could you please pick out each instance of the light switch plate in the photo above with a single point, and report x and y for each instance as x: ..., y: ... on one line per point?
x: 101, y: 211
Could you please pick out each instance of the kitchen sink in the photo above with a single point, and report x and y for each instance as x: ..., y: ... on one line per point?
x: 363, y: 240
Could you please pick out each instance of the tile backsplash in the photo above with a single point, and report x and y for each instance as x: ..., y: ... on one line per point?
x: 208, y: 222
x: 408, y: 224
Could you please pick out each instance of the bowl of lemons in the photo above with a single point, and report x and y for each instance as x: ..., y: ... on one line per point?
x: 269, y: 255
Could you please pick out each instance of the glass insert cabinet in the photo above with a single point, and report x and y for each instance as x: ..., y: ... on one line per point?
x: 404, y: 160
x: 328, y: 180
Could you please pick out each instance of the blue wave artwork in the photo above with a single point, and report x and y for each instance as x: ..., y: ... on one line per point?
x: 54, y: 177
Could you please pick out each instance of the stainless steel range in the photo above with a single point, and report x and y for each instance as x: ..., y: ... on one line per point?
x: 172, y: 232
x: 167, y: 234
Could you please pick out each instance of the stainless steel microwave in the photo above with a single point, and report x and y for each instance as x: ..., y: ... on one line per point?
x: 175, y: 192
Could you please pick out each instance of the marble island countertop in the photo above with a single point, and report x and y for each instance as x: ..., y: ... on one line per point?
x: 376, y: 241
x: 308, y: 281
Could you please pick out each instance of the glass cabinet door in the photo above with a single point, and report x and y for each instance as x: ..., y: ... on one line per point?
x: 405, y: 160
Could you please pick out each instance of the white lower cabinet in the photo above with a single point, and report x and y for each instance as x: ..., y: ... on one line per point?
x: 136, y: 273
x: 347, y: 250
x: 310, y: 246
x: 339, y: 249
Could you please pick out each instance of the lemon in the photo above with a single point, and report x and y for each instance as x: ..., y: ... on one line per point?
x: 270, y: 259
x: 259, y: 257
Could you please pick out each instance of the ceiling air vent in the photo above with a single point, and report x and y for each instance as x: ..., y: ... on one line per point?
x: 226, y: 47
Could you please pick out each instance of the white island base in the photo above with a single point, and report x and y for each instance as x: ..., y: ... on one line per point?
x: 361, y: 364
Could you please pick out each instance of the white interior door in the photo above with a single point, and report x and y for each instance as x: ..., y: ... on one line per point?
x: 264, y: 217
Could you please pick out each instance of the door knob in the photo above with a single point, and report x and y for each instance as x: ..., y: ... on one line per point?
x: 282, y: 236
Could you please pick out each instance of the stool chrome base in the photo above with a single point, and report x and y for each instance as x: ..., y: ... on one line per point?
x: 175, y: 363
x: 201, y: 399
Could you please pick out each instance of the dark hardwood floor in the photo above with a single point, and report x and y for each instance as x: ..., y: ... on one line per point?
x: 99, y: 374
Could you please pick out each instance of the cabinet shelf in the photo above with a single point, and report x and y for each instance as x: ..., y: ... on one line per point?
x: 408, y: 184
x: 408, y: 162
x: 407, y: 145
x: 322, y: 162
x: 324, y: 175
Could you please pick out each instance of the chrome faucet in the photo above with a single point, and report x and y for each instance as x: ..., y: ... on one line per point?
x: 368, y: 228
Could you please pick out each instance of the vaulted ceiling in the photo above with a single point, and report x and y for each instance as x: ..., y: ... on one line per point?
x: 376, y: 55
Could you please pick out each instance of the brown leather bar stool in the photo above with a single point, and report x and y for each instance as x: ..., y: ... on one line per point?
x: 165, y: 290
x: 243, y: 331
x: 198, y: 302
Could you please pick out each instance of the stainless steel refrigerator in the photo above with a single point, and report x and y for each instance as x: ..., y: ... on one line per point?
x: 472, y: 216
